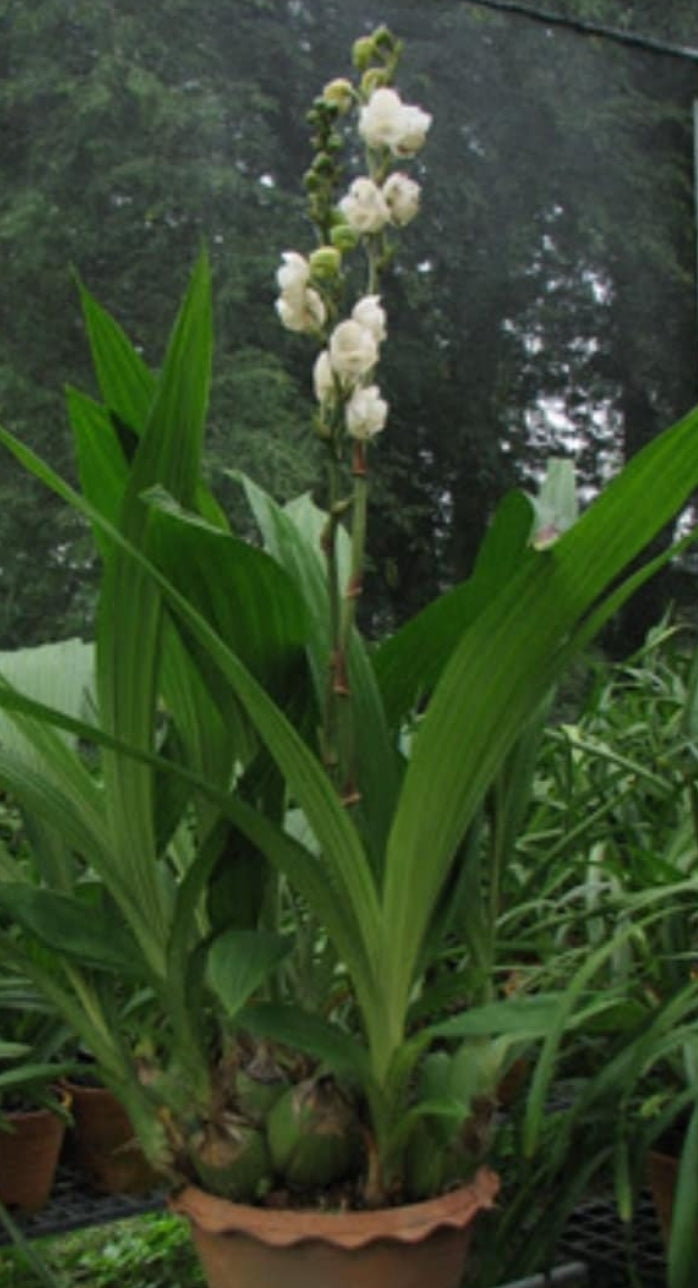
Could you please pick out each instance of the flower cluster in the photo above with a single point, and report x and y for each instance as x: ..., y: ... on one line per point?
x: 351, y: 355
x: 311, y: 289
x: 300, y: 306
x: 387, y: 122
x: 367, y: 207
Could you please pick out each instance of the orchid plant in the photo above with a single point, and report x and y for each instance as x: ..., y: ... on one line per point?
x: 267, y: 799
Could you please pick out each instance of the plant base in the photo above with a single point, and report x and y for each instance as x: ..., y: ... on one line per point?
x: 423, y: 1245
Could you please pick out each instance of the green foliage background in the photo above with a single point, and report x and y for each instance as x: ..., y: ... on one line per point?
x: 145, y: 1252
x: 552, y: 309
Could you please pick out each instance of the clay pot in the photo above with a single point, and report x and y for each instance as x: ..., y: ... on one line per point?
x: 104, y: 1145
x: 253, y: 1247
x: 662, y: 1172
x: 512, y: 1082
x: 663, y: 1175
x: 29, y: 1157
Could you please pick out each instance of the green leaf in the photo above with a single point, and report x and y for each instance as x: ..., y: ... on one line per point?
x: 13, y: 1050
x: 540, y: 1085
x: 39, y: 763
x: 302, y: 1031
x: 314, y: 881
x: 61, y: 673
x: 498, y: 674
x: 130, y: 610
x: 92, y: 935
x: 292, y: 536
x: 683, y: 1243
x: 345, y: 867
x: 239, y: 961
x: 211, y: 740
x: 410, y: 662
x: 243, y: 594
x: 519, y: 1017
x: 102, y: 466
x: 127, y: 386
x: 34, y: 1075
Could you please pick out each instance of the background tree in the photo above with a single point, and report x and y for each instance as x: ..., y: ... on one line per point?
x: 554, y: 298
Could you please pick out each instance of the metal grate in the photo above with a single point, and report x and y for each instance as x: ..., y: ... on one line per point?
x: 595, y: 1235
x: 73, y: 1206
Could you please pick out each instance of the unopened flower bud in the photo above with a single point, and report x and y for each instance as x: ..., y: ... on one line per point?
x: 323, y: 163
x: 340, y: 93
x: 383, y: 39
x: 326, y: 261
x: 344, y: 237
x: 362, y: 52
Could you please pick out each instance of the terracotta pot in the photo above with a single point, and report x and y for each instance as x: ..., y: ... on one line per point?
x: 423, y: 1245
x: 104, y: 1145
x: 662, y: 1175
x: 512, y: 1082
x: 662, y: 1171
x: 29, y: 1157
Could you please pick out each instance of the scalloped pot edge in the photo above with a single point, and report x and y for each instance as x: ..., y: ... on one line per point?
x: 285, y: 1229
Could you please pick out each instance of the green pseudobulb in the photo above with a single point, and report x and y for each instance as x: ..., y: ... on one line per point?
x: 313, y: 1136
x: 231, y: 1158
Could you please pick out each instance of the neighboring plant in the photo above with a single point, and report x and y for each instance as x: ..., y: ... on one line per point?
x: 26, y: 1267
x: 609, y: 811
x: 606, y: 875
x: 277, y: 842
x: 35, y: 1050
x: 144, y: 1252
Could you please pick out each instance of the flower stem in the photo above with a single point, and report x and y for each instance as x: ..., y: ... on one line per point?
x: 329, y: 544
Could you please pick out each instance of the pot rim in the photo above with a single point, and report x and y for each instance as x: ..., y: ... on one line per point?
x: 42, y: 1113
x: 286, y: 1227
